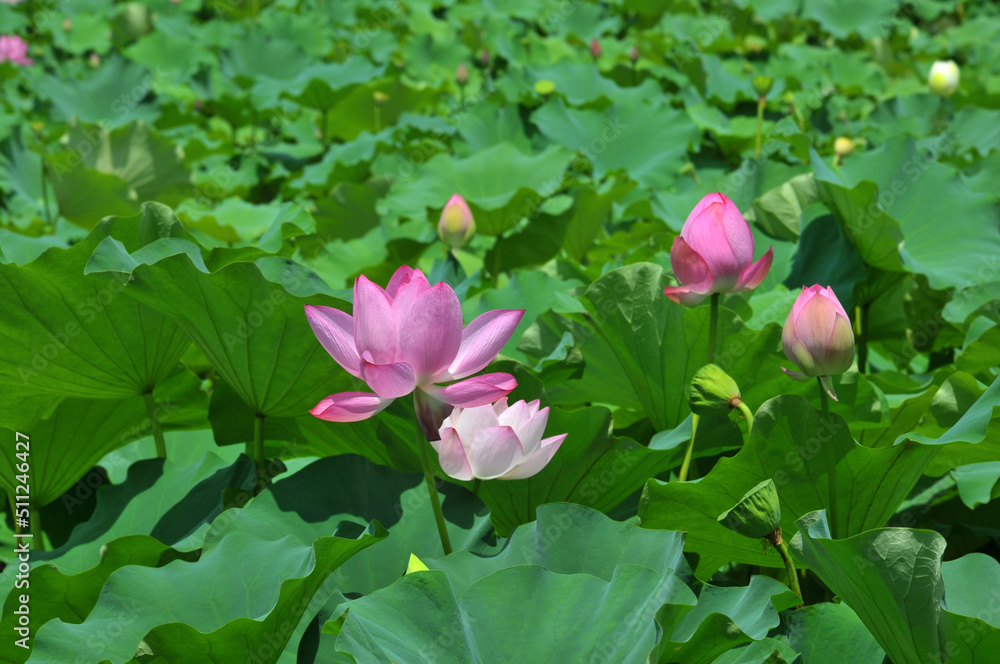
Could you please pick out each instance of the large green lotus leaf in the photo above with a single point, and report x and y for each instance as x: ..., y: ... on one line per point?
x: 248, y: 321
x: 647, y: 141
x: 236, y: 222
x: 501, y: 185
x: 171, y: 503
x: 981, y: 354
x: 765, y: 651
x: 71, y: 597
x: 789, y: 444
x: 976, y: 481
x: 832, y: 633
x: 333, y: 492
x: 660, y: 344
x: 591, y: 468
x: 892, y: 578
x: 21, y: 175
x: 779, y: 211
x: 723, y: 619
x: 554, y: 541
x: 963, y: 420
x: 359, y: 111
x: 907, y: 211
x: 320, y: 85
x: 79, y: 432
x: 211, y: 608
x: 841, y: 19
x: 66, y: 334
x: 422, y: 617
x: 110, y: 95
x: 129, y: 165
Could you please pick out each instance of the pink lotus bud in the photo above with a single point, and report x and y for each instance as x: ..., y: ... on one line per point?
x: 633, y: 54
x: 818, y: 337
x: 462, y: 75
x: 456, y: 226
x: 714, y: 253
x: 595, y: 47
x: 496, y: 442
x: 410, y: 337
x: 14, y: 49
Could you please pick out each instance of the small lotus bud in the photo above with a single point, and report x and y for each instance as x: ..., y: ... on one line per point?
x: 94, y: 60
x: 456, y: 226
x: 484, y: 58
x: 818, y: 337
x: 595, y: 47
x: 713, y: 392
x: 633, y: 54
x: 67, y: 24
x: 462, y: 75
x: 762, y: 85
x: 944, y: 77
x: 843, y: 146
x: 757, y: 515
x: 380, y: 97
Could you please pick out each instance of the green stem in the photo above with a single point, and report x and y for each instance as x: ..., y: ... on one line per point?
x: 475, y: 486
x: 35, y: 525
x: 258, y: 446
x: 713, y: 323
x: 154, y: 422
x: 760, y: 124
x: 425, y: 461
x: 831, y: 455
x: 793, y: 578
x: 748, y: 414
x: 689, y: 452
x: 862, y: 334
x: 45, y: 192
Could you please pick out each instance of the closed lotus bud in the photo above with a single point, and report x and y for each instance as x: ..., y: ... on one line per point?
x: 94, y: 60
x: 462, y: 75
x: 633, y: 54
x: 713, y: 392
x: 944, y: 77
x: 67, y: 24
x: 714, y: 253
x: 456, y: 226
x: 380, y: 97
x: 595, y: 47
x: 843, y: 146
x: 818, y: 337
x: 762, y: 85
x: 484, y: 58
x: 757, y: 515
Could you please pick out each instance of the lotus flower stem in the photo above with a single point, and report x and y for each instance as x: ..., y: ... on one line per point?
x: 688, y: 453
x: 45, y: 192
x: 793, y: 578
x: 760, y: 124
x: 713, y: 323
x: 861, y: 318
x: 425, y: 461
x: 258, y: 448
x: 831, y: 455
x: 154, y: 423
x: 748, y: 414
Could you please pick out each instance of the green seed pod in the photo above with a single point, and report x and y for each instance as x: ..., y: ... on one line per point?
x: 758, y: 513
x: 762, y: 85
x: 713, y: 392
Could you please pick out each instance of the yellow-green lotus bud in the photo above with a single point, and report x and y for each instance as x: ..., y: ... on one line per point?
x: 456, y: 226
x: 462, y: 75
x: 713, y: 392
x: 757, y: 515
x: 843, y: 146
x: 944, y: 77
x: 762, y: 85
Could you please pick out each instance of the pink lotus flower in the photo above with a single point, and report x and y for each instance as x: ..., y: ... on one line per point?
x: 714, y: 253
x: 409, y: 337
x: 496, y: 442
x: 595, y: 48
x: 456, y: 225
x: 818, y: 337
x: 14, y: 49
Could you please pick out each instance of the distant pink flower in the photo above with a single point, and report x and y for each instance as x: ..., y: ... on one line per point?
x: 409, y: 337
x: 496, y: 442
x: 14, y: 49
x: 456, y: 225
x: 714, y: 253
x: 818, y: 337
x: 595, y: 47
